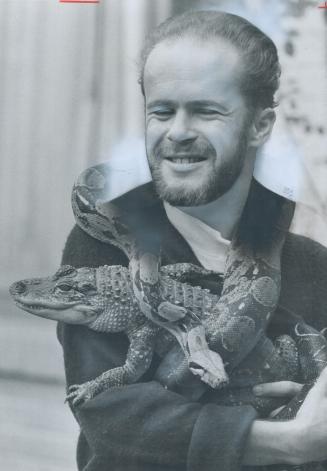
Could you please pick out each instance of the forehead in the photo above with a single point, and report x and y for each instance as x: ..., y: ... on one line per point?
x: 192, y: 68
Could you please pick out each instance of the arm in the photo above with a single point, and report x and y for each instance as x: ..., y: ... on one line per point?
x: 142, y: 423
x: 304, y: 438
x: 145, y: 423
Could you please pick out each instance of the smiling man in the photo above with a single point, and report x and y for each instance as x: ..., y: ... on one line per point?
x: 208, y: 80
x: 197, y: 121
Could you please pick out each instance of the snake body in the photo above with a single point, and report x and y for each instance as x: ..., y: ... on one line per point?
x: 234, y: 329
x: 249, y: 296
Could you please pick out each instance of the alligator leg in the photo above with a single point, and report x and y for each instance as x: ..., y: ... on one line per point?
x: 138, y: 360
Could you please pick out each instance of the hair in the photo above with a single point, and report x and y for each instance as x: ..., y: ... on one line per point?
x: 261, y: 68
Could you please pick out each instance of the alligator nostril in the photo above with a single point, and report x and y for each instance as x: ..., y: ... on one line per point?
x: 19, y: 287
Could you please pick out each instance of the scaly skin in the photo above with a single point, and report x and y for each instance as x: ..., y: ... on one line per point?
x: 102, y: 299
x: 251, y: 284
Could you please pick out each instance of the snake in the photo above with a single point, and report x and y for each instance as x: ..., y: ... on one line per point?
x: 249, y: 295
x: 235, y: 328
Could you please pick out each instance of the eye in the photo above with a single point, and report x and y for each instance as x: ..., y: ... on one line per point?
x: 208, y: 112
x: 161, y: 113
x: 86, y: 287
x: 64, y: 287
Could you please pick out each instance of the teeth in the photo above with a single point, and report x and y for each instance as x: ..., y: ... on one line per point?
x: 190, y: 160
x: 29, y: 306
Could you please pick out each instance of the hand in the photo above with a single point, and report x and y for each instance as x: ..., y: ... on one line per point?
x: 287, y: 389
x: 311, y: 424
x: 297, y: 441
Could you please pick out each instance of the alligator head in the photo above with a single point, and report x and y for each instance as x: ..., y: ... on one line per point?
x: 70, y: 295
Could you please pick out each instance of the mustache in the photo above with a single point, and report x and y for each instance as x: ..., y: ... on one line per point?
x: 168, y: 149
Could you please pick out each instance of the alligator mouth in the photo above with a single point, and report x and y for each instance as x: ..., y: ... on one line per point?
x: 40, y: 306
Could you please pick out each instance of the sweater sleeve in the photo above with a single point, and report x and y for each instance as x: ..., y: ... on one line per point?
x: 304, y: 280
x: 318, y: 272
x: 142, y: 426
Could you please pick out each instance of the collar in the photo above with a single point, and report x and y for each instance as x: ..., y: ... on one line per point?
x: 208, y: 245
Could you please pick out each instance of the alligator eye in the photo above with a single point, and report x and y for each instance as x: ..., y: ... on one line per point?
x: 64, y: 287
x: 87, y: 287
x: 64, y: 271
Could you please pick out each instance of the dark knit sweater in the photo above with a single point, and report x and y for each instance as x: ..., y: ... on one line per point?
x: 144, y: 427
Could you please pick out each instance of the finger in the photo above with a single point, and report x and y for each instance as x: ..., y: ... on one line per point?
x: 321, y: 383
x: 275, y: 412
x: 278, y: 389
x: 323, y: 376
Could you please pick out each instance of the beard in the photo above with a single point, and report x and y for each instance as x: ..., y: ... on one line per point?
x: 217, y: 182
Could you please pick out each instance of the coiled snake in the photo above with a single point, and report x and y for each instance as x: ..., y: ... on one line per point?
x: 235, y: 328
x: 249, y: 296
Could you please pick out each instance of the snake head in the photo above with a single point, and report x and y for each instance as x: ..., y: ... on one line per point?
x: 209, y: 368
x: 203, y: 362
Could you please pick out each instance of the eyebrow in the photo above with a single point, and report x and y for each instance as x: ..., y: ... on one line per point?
x: 210, y: 103
x: 191, y: 104
x: 160, y: 103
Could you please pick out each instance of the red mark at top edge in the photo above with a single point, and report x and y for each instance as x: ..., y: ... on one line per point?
x: 79, y: 1
x: 323, y: 6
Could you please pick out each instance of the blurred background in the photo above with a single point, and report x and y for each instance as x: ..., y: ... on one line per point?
x: 68, y: 96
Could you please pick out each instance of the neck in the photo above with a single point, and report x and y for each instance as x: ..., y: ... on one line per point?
x: 224, y: 213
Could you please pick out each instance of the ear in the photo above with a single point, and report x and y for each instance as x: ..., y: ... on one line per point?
x: 262, y: 125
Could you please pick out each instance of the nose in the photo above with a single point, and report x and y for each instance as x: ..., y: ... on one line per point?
x: 18, y: 288
x: 181, y: 130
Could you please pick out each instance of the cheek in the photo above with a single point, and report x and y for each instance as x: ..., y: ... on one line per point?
x: 222, y: 137
x: 154, y: 131
x: 215, y: 136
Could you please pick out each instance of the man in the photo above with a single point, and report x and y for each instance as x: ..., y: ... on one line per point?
x: 208, y: 80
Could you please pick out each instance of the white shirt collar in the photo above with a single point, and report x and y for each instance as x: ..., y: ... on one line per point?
x: 208, y: 245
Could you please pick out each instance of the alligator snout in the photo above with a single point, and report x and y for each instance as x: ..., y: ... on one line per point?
x: 17, y: 288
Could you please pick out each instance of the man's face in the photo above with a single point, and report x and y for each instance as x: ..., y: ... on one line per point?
x: 196, y: 119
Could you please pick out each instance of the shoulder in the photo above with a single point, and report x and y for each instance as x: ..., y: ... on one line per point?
x: 83, y: 250
x: 304, y: 279
x: 304, y: 259
x: 301, y: 249
x: 143, y: 212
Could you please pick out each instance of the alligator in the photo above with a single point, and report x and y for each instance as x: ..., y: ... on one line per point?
x: 102, y: 299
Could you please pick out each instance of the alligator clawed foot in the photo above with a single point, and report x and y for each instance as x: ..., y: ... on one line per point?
x: 80, y: 393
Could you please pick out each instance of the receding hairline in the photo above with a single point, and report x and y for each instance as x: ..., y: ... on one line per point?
x: 261, y: 67
x: 190, y: 36
x: 211, y: 41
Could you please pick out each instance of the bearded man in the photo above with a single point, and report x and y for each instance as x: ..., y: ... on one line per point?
x: 208, y: 80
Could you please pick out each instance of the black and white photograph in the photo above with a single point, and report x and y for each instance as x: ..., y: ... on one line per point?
x: 163, y: 193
